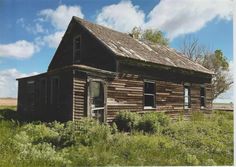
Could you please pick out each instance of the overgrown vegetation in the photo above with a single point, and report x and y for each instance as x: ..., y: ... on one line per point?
x: 152, y: 139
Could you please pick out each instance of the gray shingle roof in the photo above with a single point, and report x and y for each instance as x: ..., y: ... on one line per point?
x: 125, y: 46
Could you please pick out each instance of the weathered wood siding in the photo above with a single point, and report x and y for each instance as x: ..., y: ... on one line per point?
x: 169, y: 96
x: 93, y: 53
x: 124, y: 93
x: 35, y: 107
x: 209, y: 96
x: 79, y: 95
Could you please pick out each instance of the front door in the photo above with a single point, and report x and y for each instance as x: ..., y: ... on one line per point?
x: 96, y: 100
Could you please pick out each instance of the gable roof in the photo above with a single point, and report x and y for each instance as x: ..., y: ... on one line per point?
x: 123, y: 45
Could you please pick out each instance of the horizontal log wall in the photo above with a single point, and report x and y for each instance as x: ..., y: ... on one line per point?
x: 126, y: 93
x: 37, y: 105
x: 209, y: 96
x: 169, y: 96
x: 79, y: 96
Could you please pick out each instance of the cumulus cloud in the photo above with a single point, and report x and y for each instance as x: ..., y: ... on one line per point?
x: 34, y: 28
x: 123, y: 16
x: 20, y: 49
x: 53, y: 40
x: 61, y: 16
x: 187, y: 16
x: 173, y: 17
x: 8, y: 83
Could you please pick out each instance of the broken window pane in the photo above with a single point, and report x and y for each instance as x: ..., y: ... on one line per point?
x: 187, y: 97
x: 149, y: 94
x: 149, y: 87
x: 202, y: 96
x: 97, y: 94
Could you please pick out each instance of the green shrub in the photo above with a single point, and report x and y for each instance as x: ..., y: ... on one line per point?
x: 89, y: 143
x: 153, y: 122
x: 148, y: 123
x: 197, y: 116
x: 126, y: 121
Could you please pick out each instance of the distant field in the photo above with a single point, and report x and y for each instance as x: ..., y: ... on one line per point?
x: 8, y: 101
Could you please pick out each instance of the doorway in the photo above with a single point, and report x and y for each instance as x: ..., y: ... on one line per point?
x: 96, y: 100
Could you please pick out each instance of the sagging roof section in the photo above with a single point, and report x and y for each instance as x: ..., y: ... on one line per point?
x: 124, y: 45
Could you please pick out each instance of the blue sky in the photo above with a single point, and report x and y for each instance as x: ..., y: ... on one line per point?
x: 33, y: 29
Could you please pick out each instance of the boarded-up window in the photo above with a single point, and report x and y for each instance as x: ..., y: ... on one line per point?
x: 77, y: 49
x: 31, y: 87
x: 43, y: 91
x: 202, y: 96
x: 31, y: 93
x: 149, y: 94
x: 55, y: 90
x: 187, y: 97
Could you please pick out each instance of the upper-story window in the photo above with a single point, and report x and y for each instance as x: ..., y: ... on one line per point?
x: 202, y: 96
x: 76, y: 49
x: 149, y: 94
x: 187, y: 96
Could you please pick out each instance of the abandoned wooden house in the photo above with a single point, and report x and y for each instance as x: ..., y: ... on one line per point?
x: 98, y: 72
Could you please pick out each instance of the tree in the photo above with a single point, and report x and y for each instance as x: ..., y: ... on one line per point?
x: 193, y: 49
x: 153, y: 36
x: 221, y: 80
x: 136, y: 32
x: 214, y: 61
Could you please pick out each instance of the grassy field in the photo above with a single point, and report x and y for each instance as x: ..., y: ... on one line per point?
x: 199, y: 141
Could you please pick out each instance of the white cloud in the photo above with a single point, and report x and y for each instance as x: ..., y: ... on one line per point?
x: 173, y: 17
x: 8, y: 83
x: 122, y: 16
x: 61, y: 16
x: 51, y: 40
x: 20, y: 49
x: 187, y: 16
x: 31, y: 28
x: 39, y: 28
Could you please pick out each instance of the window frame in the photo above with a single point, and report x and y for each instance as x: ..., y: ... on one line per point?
x: 45, y: 91
x: 51, y: 89
x: 31, y: 92
x: 202, y: 97
x: 148, y: 94
x: 188, y: 86
x: 74, y: 49
x: 31, y: 83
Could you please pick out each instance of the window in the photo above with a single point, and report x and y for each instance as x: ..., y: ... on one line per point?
x: 43, y: 91
x: 55, y: 90
x: 31, y: 87
x: 202, y: 96
x: 31, y: 93
x: 77, y: 49
x: 149, y: 94
x: 97, y: 94
x: 187, y: 97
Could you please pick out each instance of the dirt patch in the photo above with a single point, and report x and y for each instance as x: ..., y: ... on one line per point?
x: 8, y: 101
